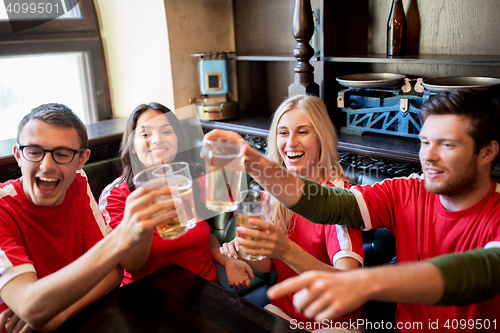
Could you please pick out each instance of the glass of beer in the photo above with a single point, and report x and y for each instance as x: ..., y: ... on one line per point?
x: 224, y: 168
x: 254, y: 204
x: 184, y: 182
x: 151, y: 179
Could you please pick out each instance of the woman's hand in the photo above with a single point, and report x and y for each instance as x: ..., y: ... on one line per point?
x: 271, y: 241
x: 230, y: 249
x: 238, y: 274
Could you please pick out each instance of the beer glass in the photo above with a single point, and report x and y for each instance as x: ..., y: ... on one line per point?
x: 184, y: 182
x: 224, y: 168
x: 157, y: 177
x: 254, y: 204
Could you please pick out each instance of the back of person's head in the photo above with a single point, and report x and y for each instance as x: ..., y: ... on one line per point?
x: 56, y: 115
x: 473, y: 104
x: 315, y: 110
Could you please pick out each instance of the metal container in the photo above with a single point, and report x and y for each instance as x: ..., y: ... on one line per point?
x: 217, y: 110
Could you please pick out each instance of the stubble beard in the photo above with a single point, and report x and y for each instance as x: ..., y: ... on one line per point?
x: 458, y: 187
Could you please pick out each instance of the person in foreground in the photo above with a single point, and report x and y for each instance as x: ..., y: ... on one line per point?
x: 54, y: 259
x: 154, y: 136
x: 302, y: 139
x: 452, y: 207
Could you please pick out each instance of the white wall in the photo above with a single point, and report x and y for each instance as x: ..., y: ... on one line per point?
x: 196, y: 26
x: 136, y: 47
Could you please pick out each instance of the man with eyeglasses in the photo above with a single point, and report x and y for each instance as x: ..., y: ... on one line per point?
x: 54, y: 259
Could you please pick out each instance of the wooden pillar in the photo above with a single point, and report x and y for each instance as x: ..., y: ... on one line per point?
x: 303, y: 29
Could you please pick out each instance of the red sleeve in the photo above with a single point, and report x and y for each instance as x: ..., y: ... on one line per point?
x: 343, y: 241
x: 377, y: 202
x: 93, y: 226
x: 12, y: 252
x: 112, y: 202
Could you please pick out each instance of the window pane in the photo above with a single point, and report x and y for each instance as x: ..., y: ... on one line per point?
x: 28, y: 81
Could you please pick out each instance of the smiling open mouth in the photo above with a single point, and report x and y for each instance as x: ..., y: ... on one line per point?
x: 294, y: 155
x: 47, y: 183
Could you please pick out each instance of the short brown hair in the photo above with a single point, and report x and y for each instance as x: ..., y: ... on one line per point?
x: 473, y: 104
x: 56, y: 115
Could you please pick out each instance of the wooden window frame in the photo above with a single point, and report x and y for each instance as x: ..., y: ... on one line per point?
x: 67, y: 35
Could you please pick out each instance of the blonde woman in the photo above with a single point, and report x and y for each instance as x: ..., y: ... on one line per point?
x: 302, y: 138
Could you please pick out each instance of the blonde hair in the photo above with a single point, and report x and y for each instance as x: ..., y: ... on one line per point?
x: 328, y: 168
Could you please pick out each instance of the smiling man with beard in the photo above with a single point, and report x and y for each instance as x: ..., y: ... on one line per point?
x: 54, y: 259
x: 454, y: 206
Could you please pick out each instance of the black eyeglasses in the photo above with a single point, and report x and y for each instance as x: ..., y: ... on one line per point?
x: 59, y: 155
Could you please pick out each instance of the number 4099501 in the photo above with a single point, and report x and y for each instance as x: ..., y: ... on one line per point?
x: 474, y: 324
x: 40, y: 8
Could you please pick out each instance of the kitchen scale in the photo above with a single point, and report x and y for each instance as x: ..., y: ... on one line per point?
x: 214, y: 73
x: 381, y: 103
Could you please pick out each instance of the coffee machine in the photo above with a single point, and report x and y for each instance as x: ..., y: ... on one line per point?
x: 215, y: 88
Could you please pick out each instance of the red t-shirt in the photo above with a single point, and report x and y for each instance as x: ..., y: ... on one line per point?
x: 191, y: 250
x: 424, y: 229
x: 327, y: 243
x: 45, y: 239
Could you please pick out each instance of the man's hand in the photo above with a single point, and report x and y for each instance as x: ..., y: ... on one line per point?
x: 251, y: 154
x: 12, y: 323
x: 141, y: 216
x: 323, y: 295
x: 330, y: 295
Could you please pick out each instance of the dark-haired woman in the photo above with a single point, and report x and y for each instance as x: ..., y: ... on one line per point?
x: 154, y: 136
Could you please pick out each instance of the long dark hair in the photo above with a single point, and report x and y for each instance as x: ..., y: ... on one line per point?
x: 131, y: 163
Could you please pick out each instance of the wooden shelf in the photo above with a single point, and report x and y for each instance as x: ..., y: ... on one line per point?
x: 269, y: 57
x: 430, y: 59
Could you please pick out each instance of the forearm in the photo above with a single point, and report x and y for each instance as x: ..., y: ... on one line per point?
x: 469, y: 277
x: 215, y: 250
x: 301, y: 261
x: 265, y: 265
x: 276, y: 179
x: 111, y: 281
x: 328, y: 205
x: 137, y: 256
x: 406, y: 283
x: 38, y: 301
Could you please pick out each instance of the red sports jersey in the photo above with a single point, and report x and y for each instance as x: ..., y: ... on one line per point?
x: 45, y: 239
x: 327, y: 243
x: 191, y: 251
x: 424, y: 229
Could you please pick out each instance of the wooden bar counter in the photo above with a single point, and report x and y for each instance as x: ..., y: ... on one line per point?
x: 174, y: 300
